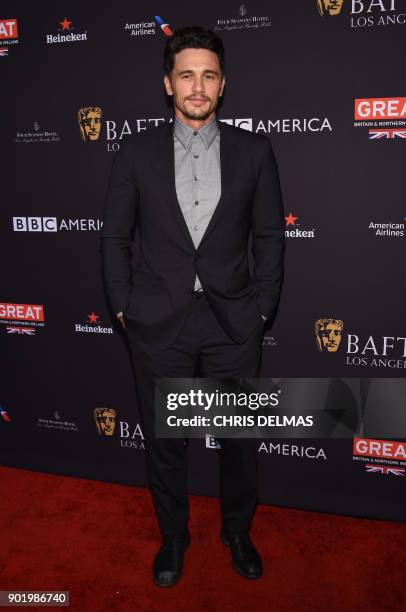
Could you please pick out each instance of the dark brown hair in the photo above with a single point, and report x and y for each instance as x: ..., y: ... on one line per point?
x: 192, y: 37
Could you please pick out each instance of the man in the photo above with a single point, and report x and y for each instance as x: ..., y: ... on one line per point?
x: 194, y: 189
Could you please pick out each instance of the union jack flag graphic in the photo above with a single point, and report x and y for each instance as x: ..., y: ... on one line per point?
x: 3, y: 51
x: 384, y: 133
x: 11, y: 329
x: 385, y: 469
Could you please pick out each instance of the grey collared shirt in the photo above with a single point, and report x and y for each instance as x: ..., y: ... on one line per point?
x: 197, y: 176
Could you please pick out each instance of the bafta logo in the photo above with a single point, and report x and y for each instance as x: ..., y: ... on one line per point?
x: 105, y: 419
x: 328, y: 334
x: 332, y: 7
x: 89, y: 119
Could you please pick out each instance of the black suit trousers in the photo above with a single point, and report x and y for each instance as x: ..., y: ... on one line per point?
x: 202, y: 349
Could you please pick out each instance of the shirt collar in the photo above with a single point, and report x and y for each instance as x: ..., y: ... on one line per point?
x: 184, y: 133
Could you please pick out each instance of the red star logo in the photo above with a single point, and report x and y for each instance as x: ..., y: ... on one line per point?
x: 65, y: 24
x: 291, y: 220
x: 93, y: 317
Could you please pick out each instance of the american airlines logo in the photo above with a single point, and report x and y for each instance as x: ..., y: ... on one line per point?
x: 4, y: 415
x: 51, y: 224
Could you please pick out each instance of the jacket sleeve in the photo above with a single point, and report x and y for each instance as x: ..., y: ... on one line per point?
x: 119, y: 217
x: 268, y: 234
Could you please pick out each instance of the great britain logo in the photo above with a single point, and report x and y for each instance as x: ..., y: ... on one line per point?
x: 385, y: 118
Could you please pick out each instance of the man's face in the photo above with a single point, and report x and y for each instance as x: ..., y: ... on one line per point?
x: 196, y: 84
x: 91, y: 125
x: 330, y: 337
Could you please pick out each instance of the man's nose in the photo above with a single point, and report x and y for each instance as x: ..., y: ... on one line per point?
x: 198, y: 84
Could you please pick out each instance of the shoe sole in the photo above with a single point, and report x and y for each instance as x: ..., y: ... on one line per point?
x: 166, y: 586
x: 237, y: 569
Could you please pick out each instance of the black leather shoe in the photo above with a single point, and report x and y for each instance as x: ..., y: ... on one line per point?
x: 245, y: 557
x: 168, y: 563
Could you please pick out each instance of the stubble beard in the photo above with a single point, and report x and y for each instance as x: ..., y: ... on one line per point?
x: 199, y: 114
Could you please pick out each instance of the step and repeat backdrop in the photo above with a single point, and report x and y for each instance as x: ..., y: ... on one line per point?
x: 324, y: 80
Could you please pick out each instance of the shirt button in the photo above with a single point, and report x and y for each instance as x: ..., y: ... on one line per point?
x: 196, y: 227
x: 195, y: 133
x: 195, y: 178
x: 195, y: 156
x: 197, y: 202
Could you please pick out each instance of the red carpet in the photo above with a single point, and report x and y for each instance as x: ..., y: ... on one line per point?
x: 97, y: 540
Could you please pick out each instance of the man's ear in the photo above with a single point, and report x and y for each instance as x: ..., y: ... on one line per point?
x: 168, y: 86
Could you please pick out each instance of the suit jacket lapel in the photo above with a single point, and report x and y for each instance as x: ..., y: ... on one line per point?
x: 166, y: 169
x: 166, y: 178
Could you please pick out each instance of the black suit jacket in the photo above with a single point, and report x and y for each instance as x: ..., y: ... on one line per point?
x: 156, y: 293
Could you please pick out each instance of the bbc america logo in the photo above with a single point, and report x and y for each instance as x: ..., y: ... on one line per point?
x: 35, y: 224
x: 245, y: 124
x: 51, y: 224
